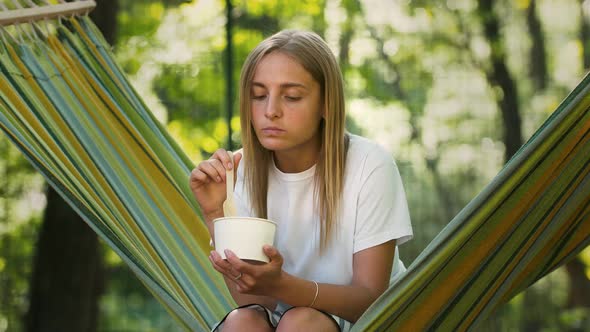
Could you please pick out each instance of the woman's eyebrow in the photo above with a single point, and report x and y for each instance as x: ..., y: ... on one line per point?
x: 283, y: 85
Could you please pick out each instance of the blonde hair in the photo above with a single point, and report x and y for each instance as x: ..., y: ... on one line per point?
x: 315, y: 56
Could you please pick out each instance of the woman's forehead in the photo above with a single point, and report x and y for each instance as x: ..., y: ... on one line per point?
x: 277, y: 68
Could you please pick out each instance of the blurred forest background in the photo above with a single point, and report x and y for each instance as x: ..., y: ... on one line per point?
x: 451, y: 88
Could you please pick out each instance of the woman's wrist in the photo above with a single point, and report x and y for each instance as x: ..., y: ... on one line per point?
x: 210, y: 216
x: 276, y: 289
x: 295, y: 291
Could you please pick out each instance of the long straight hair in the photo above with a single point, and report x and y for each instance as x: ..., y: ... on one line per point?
x: 315, y: 56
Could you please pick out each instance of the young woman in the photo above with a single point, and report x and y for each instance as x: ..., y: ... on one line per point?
x: 337, y: 199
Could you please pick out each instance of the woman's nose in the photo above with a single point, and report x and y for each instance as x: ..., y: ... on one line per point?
x: 273, y: 108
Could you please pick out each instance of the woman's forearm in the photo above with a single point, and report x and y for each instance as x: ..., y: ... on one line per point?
x: 346, y: 301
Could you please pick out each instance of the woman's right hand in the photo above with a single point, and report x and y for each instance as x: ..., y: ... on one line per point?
x: 207, y: 182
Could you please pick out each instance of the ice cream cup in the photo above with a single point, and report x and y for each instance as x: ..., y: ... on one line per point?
x: 245, y: 236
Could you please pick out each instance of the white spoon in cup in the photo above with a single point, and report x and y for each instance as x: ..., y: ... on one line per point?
x: 229, y: 207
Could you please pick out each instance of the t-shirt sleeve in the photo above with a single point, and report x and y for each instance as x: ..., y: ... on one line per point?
x: 382, y: 208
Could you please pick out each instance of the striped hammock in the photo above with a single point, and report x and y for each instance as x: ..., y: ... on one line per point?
x: 69, y: 108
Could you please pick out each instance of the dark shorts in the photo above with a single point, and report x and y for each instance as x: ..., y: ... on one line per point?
x: 273, y: 317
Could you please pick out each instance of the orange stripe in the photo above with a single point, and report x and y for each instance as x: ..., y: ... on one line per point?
x: 431, y: 303
x: 480, y: 305
x: 576, y: 238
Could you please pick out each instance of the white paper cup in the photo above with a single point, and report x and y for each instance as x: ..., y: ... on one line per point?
x: 244, y: 236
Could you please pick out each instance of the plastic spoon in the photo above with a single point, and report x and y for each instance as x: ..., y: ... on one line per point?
x: 229, y: 207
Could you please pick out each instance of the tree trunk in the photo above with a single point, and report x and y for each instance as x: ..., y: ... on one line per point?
x: 499, y: 76
x: 346, y: 35
x: 538, y: 57
x: 68, y: 276
x: 579, y: 290
x: 105, y: 18
x: 584, y: 36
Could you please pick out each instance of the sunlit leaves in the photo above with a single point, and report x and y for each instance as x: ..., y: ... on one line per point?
x: 139, y: 18
x: 280, y: 9
x: 199, y: 142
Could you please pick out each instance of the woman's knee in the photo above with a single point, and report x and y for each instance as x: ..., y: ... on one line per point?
x: 306, y: 319
x: 245, y: 319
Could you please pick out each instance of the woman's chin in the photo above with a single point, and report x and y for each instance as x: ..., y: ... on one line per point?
x: 273, y: 144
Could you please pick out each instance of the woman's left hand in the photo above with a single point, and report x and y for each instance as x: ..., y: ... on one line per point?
x: 254, y: 279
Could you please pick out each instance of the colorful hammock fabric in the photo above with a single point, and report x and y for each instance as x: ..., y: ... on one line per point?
x: 69, y: 108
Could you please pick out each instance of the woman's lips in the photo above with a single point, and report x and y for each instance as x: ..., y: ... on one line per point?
x: 272, y: 131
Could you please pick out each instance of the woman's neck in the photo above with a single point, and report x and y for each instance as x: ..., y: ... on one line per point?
x: 299, y: 159
x: 294, y: 163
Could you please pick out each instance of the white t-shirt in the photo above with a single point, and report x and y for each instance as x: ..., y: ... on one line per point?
x: 373, y: 211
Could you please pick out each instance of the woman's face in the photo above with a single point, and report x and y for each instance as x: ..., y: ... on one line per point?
x: 286, y: 106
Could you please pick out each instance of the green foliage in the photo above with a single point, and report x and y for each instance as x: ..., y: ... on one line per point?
x: 577, y: 319
x: 20, y: 204
x: 16, y: 252
x: 188, y: 99
x: 128, y: 306
x: 139, y: 18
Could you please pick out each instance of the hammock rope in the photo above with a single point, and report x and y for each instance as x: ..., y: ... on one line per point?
x: 69, y: 108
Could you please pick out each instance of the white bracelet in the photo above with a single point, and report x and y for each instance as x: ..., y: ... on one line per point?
x: 315, y: 297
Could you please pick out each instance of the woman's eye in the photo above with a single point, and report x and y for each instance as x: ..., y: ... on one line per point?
x: 259, y: 97
x: 291, y: 98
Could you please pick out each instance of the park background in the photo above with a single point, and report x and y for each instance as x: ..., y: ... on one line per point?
x: 450, y: 88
